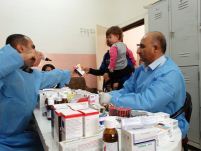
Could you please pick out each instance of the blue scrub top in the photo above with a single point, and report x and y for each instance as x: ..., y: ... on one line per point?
x: 159, y: 90
x: 18, y: 98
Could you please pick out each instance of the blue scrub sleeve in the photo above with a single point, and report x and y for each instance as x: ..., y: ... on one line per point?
x: 157, y: 95
x: 10, y: 60
x: 51, y: 78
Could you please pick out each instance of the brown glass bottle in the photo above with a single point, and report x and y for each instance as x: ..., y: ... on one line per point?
x: 110, y: 137
x: 58, y: 100
x: 49, y: 107
x: 64, y: 98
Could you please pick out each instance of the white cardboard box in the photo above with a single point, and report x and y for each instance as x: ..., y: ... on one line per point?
x: 72, y: 124
x: 56, y: 127
x: 139, y: 139
x: 90, y: 122
x: 93, y: 143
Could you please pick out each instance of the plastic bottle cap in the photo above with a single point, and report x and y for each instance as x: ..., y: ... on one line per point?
x: 50, y: 101
x: 64, y: 96
x: 110, y: 122
x: 59, y: 99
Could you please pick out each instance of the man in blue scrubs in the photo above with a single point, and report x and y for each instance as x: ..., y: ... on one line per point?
x: 19, y: 88
x: 156, y: 86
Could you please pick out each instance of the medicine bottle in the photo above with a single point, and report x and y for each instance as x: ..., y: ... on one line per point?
x: 110, y: 136
x: 58, y: 100
x: 49, y: 107
x: 64, y: 98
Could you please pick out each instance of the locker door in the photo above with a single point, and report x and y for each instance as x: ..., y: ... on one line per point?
x: 185, y: 32
x: 158, y: 20
x: 192, y: 86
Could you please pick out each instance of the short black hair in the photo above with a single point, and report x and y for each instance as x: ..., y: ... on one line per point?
x: 15, y: 39
x: 46, y: 66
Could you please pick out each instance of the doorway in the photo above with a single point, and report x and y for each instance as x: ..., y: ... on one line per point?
x: 132, y: 36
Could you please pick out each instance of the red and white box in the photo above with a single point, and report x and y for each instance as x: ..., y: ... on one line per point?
x: 57, y: 128
x: 84, y: 102
x: 56, y: 120
x: 72, y: 124
x: 90, y: 122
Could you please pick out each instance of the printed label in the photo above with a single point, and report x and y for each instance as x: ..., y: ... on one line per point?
x: 110, y: 146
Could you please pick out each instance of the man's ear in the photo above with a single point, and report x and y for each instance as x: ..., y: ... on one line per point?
x: 156, y: 47
x: 19, y: 48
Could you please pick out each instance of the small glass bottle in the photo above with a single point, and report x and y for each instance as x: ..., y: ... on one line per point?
x: 110, y: 136
x: 50, y: 103
x: 58, y: 100
x: 64, y: 98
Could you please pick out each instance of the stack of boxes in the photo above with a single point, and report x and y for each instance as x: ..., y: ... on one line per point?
x: 74, y: 122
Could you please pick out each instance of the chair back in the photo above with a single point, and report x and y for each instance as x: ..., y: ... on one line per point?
x: 77, y: 83
x: 186, y: 108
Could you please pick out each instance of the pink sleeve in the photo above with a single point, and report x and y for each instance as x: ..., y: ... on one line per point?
x: 130, y: 56
x: 113, y: 57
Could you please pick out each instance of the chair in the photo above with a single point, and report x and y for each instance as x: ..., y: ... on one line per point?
x: 77, y: 83
x: 187, y: 109
x: 80, y: 83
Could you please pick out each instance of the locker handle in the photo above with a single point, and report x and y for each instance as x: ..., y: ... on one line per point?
x: 172, y: 34
x: 185, y: 54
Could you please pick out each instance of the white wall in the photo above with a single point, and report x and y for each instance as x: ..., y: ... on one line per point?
x: 128, y: 11
x: 65, y: 26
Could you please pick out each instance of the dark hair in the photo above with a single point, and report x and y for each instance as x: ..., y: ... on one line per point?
x: 15, y: 39
x: 158, y: 36
x: 116, y: 30
x: 46, y: 66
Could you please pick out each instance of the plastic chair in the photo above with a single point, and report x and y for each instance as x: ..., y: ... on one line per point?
x: 187, y: 109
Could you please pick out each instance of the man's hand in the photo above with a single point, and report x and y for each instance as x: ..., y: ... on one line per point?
x: 86, y: 69
x: 38, y: 57
x: 31, y: 58
x: 105, y: 98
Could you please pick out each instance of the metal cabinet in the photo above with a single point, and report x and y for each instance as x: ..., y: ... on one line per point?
x: 159, y: 19
x: 180, y: 22
x: 192, y: 86
x: 184, y: 29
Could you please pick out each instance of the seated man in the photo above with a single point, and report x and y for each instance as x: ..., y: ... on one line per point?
x: 156, y: 86
x: 19, y: 88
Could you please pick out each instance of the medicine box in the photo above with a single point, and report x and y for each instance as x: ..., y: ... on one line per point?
x: 90, y: 122
x: 72, y: 124
x: 56, y: 120
x: 139, y: 139
x: 93, y: 143
x: 56, y: 127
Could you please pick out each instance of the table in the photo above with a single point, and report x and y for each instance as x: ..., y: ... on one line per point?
x: 44, y: 130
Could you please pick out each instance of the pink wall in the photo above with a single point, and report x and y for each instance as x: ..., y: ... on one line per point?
x: 67, y: 61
